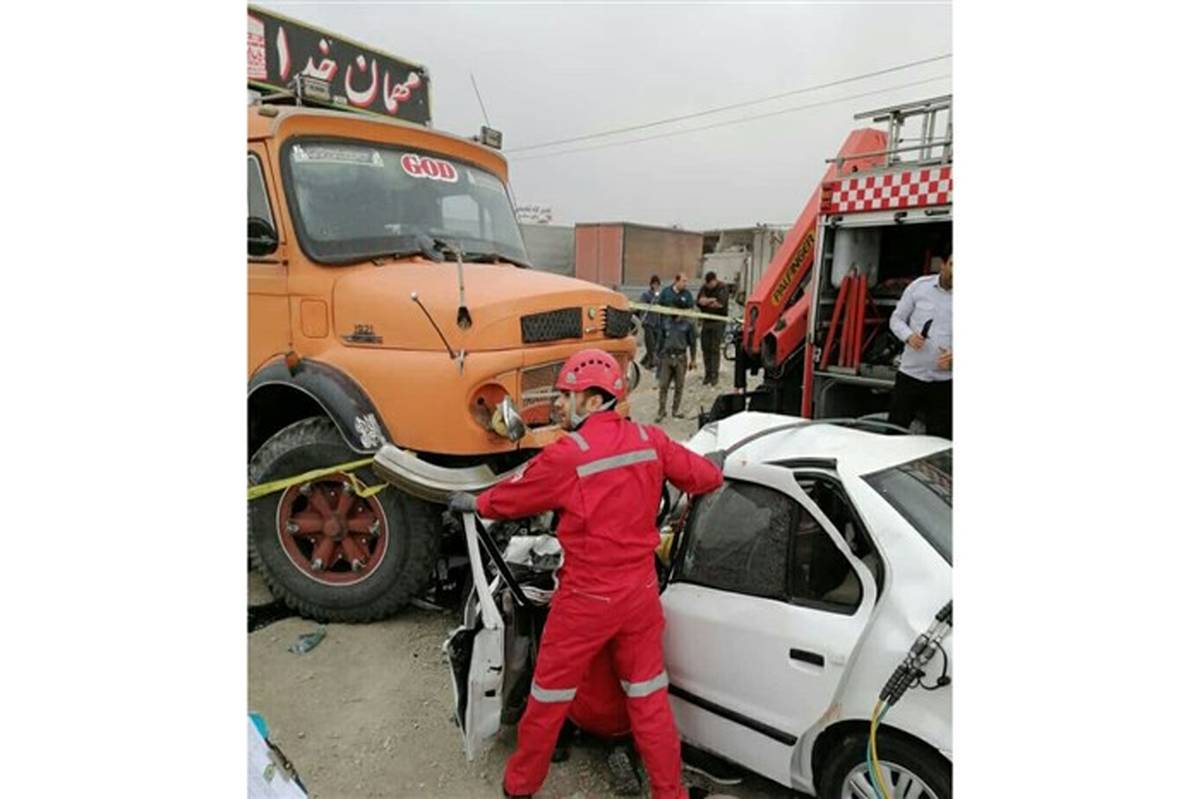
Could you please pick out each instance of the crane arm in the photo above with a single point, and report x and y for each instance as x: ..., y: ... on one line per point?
x: 776, y: 290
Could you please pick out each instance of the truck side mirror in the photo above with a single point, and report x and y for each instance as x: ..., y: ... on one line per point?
x: 261, y: 237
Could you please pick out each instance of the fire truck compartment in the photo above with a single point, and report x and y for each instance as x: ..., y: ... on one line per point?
x: 891, y: 251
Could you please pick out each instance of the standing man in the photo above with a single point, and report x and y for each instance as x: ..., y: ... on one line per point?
x: 678, y: 340
x: 677, y: 295
x: 713, y: 299
x: 651, y: 322
x: 922, y: 320
x: 603, y: 479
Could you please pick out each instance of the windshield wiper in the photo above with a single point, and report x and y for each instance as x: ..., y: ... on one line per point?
x: 464, y: 315
x: 493, y: 257
x: 408, y: 245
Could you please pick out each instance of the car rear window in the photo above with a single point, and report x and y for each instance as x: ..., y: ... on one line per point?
x: 921, y: 492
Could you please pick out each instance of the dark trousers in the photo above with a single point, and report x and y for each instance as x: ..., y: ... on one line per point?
x: 711, y: 334
x: 652, y: 337
x: 671, y: 369
x: 930, y: 399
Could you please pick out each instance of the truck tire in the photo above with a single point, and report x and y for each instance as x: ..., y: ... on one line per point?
x: 327, y: 553
x: 902, y: 759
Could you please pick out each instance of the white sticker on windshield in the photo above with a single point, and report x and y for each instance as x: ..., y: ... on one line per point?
x: 422, y: 166
x: 320, y: 153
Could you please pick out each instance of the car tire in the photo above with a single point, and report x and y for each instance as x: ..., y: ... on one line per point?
x: 919, y: 760
x: 399, y: 563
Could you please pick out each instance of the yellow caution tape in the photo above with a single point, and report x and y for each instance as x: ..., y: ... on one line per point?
x: 360, y: 488
x: 666, y: 311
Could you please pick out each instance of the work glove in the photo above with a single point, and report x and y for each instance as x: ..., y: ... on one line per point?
x: 462, y: 502
x: 717, y: 458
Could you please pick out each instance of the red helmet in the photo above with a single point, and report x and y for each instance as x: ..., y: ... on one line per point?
x: 592, y: 368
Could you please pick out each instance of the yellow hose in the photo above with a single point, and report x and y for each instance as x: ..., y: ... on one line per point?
x: 874, y: 752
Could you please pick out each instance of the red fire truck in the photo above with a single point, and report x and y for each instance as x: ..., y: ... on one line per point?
x: 816, y: 324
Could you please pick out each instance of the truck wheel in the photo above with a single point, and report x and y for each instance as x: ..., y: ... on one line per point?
x: 325, y: 551
x: 911, y: 770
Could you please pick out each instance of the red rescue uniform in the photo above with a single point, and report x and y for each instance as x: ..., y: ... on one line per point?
x: 605, y: 481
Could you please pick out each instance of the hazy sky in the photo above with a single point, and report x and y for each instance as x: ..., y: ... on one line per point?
x: 549, y: 72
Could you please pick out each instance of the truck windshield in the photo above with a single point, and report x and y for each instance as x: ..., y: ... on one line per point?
x: 921, y: 492
x: 353, y: 201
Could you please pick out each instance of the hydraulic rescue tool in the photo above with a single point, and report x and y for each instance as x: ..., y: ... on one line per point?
x: 907, y: 674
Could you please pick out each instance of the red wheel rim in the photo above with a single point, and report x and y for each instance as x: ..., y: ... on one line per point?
x: 331, y: 535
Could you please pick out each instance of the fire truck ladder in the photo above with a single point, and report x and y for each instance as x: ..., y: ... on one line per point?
x: 926, y: 143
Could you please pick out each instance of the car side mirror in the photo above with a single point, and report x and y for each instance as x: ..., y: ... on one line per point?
x: 261, y: 236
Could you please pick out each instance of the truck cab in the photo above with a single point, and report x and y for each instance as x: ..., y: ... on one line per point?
x: 390, y: 301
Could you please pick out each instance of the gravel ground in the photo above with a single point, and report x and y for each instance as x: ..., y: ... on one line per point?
x: 369, y: 711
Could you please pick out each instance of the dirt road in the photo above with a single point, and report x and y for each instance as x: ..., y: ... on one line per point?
x: 369, y: 711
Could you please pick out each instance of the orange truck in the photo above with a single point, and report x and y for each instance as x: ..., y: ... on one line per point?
x: 391, y: 302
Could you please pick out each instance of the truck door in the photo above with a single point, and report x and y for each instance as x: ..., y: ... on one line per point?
x: 764, y: 607
x: 269, y: 331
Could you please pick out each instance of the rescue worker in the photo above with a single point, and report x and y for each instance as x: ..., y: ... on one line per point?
x: 923, y: 321
x: 604, y: 481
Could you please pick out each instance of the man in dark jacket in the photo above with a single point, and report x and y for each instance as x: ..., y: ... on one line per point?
x: 651, y: 322
x: 677, y: 342
x: 713, y: 299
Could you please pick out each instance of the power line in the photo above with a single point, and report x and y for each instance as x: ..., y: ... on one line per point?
x: 737, y: 121
x: 718, y: 109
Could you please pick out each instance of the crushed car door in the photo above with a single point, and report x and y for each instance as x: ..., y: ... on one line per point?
x: 755, y: 657
x: 475, y: 652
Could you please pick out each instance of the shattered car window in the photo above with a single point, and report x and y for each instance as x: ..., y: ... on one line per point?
x: 739, y: 541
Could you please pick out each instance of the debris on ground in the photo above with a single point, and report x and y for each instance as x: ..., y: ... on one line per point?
x: 308, y: 642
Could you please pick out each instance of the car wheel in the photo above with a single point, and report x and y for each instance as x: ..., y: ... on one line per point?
x: 327, y: 553
x: 910, y: 770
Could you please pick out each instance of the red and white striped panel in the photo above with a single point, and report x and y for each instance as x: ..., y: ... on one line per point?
x: 912, y: 189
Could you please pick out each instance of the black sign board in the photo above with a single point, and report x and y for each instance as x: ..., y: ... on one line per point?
x: 278, y: 49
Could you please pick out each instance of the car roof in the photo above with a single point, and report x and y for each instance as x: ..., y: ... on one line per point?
x: 857, y: 451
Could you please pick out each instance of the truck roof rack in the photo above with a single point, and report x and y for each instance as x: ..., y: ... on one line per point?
x: 926, y: 143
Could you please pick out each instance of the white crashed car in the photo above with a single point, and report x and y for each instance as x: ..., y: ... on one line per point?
x: 793, y: 594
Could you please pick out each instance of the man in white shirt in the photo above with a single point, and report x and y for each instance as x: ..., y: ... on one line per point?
x: 922, y: 320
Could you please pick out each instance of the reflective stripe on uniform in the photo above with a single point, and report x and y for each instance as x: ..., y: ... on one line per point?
x: 616, y: 461
x: 580, y: 440
x: 636, y: 690
x: 642, y: 433
x: 551, y: 694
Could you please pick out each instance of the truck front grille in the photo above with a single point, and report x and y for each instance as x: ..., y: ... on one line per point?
x: 552, y: 325
x: 617, y: 322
